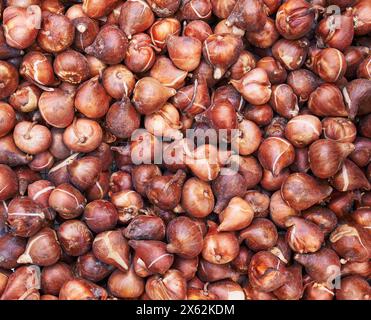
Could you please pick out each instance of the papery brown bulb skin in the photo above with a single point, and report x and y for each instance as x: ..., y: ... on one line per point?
x: 140, y: 55
x: 8, y: 79
x: 303, y: 82
x: 254, y: 294
x: 80, y: 289
x: 197, y: 29
x: 53, y: 277
x: 154, y: 255
x: 39, y: 191
x: 143, y: 227
x: 292, y: 290
x: 227, y: 290
x: 11, y: 248
x: 266, y: 272
x: 57, y: 148
x: 197, y: 198
x: 8, y: 183
x: 362, y: 216
x: 301, y: 191
x: 221, y: 51
x: 100, y: 189
x: 336, y: 38
x: 184, y: 51
x: 356, y: 268
x: 56, y: 33
x: 25, y: 217
x: 98, y: 8
x: 284, y: 101
x: 42, y: 249
x: 184, y: 237
x: 165, y: 191
x: 67, y: 201
x: 247, y: 15
x: 271, y: 182
x: 317, y: 291
x: 128, y: 204
x: 71, y: 66
x: 188, y: 267
x: 303, y: 236
x: 83, y: 135
x: 254, y: 86
x: 275, y: 154
x: 8, y: 119
x: 142, y: 175
x: 353, y: 288
x: 364, y: 69
x: 117, y: 113
x: 294, y: 19
x: 261, y: 115
x: 195, y: 9
x: 261, y: 234
x: 21, y: 25
x: 219, y: 247
x: 276, y: 72
x: 84, y: 172
x: 259, y: 202
x: 160, y: 30
x: 237, y: 215
x: 210, y: 272
x: 323, y: 217
x: 248, y: 138
x: 280, y: 211
x: 25, y: 98
x: 22, y: 284
x: 110, y: 45
x: 75, y: 237
x: 245, y: 63
x: 350, y: 177
x: 42, y: 161
x: 170, y: 286
x: 265, y: 37
x: 150, y: 95
x: 100, y: 215
x: 351, y: 242
x: 222, y: 9
x: 90, y: 268
x: 86, y: 30
x: 126, y: 284
x: 326, y: 156
x: 112, y: 248
x: 357, y: 100
x: 118, y: 81
x: 135, y: 17
x: 291, y: 53
x: 164, y: 8
x: 339, y: 129
x: 322, y: 266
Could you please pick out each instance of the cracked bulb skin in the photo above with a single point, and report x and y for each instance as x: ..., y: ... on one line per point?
x: 185, y: 150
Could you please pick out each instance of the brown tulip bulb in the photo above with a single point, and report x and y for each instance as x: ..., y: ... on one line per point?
x: 301, y: 191
x: 42, y: 249
x: 237, y: 215
x: 275, y: 154
x: 8, y: 183
x: 248, y: 15
x: 90, y: 268
x: 266, y: 272
x: 98, y: 8
x: 83, y: 135
x: 322, y: 266
x: 265, y: 37
x: 140, y: 55
x: 317, y: 291
x: 21, y: 25
x: 261, y: 115
x: 219, y: 247
x: 86, y: 30
x: 184, y: 237
x: 160, y: 30
x: 67, y: 201
x: 303, y: 236
x: 145, y: 227
x: 112, y: 248
x: 154, y: 255
x: 197, y: 29
x: 53, y: 277
x: 323, y: 217
x: 109, y: 46
x: 291, y: 53
x: 303, y: 82
x: 339, y: 38
x: 22, y: 284
x: 221, y: 51
x: 80, y: 289
x: 100, y: 215
x: 248, y: 138
x: 357, y: 99
x: 184, y: 52
x: 118, y: 81
x: 165, y: 191
x: 351, y: 242
x: 169, y: 286
x: 245, y: 63
x: 339, y: 129
x: 11, y: 248
x: 25, y: 98
x: 150, y: 95
x: 254, y: 86
x: 25, y: 217
x: 8, y: 121
x: 277, y: 74
x: 142, y: 175
x: 75, y: 237
x: 71, y: 66
x: 126, y: 285
x: 136, y: 16
x: 261, y: 234
x: 259, y: 202
x: 197, y: 198
x: 326, y: 157
x: 356, y: 268
x: 280, y: 211
x: 350, y: 177
x: 210, y: 272
x: 353, y: 288
x: 254, y: 294
x: 164, y: 8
